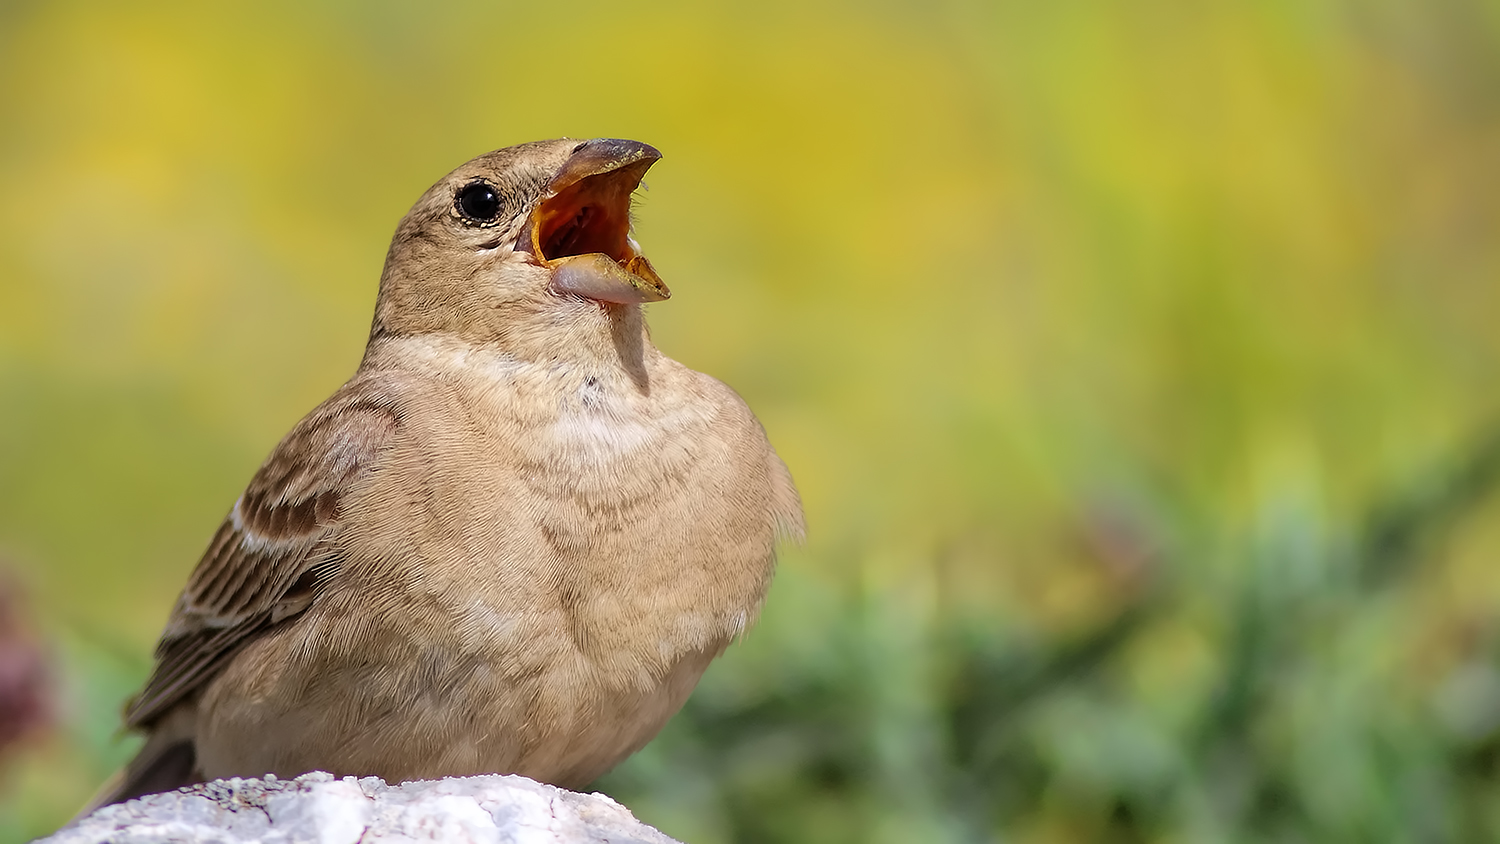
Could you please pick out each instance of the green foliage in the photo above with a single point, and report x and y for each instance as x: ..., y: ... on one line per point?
x: 1302, y: 722
x: 1135, y: 362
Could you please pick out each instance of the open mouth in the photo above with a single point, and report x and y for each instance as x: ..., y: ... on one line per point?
x: 582, y: 231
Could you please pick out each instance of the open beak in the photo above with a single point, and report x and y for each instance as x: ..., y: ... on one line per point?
x: 581, y: 231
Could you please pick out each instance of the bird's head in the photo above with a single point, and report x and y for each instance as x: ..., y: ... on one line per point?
x: 520, y: 243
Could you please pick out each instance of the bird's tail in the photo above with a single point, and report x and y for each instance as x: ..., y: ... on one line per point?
x: 167, y: 761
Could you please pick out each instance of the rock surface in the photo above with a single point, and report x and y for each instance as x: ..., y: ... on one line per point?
x: 319, y: 809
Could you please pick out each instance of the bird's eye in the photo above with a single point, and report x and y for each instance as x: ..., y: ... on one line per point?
x: 478, y: 202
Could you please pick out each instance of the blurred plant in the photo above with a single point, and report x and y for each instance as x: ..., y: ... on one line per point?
x: 872, y: 720
x: 24, y: 684
x: 25, y: 688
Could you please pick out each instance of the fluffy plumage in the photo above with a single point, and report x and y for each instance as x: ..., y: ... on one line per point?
x: 511, y: 543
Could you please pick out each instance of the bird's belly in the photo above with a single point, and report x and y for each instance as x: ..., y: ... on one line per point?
x: 594, y: 588
x: 566, y: 729
x: 428, y: 711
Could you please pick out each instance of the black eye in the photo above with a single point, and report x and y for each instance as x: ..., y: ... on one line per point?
x: 479, y: 202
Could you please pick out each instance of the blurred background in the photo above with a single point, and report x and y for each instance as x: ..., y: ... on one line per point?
x: 1136, y: 363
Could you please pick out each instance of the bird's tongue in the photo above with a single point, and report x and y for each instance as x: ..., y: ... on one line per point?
x: 600, y: 277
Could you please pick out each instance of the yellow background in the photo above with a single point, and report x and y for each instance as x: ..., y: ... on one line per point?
x: 1039, y: 301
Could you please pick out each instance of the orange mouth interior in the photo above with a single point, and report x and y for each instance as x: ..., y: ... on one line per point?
x: 590, y: 215
x: 582, y: 234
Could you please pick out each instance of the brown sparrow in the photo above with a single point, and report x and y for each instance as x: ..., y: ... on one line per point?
x: 511, y: 543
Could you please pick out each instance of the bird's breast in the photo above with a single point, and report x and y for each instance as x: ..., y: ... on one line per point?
x: 625, y: 526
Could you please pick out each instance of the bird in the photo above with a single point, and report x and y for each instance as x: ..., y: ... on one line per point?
x: 512, y: 542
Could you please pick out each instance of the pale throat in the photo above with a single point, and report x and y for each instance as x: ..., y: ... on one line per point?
x: 568, y: 340
x: 598, y: 405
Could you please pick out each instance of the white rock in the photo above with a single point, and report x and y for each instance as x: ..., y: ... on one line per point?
x: 316, y: 808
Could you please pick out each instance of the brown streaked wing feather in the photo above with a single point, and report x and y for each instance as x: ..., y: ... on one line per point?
x: 272, y: 553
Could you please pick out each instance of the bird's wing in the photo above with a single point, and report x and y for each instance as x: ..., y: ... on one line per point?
x: 274, y: 551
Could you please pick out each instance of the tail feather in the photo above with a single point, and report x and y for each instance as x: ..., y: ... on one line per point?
x: 167, y: 761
